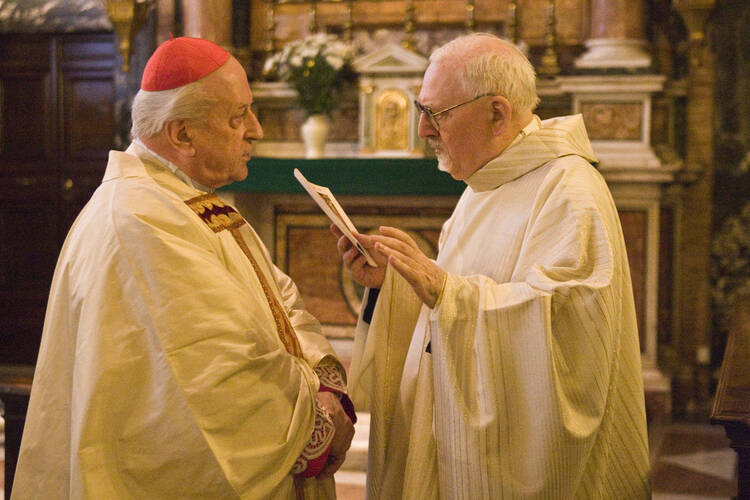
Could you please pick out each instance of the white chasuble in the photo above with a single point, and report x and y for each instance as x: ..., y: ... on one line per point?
x: 177, y: 362
x: 525, y: 381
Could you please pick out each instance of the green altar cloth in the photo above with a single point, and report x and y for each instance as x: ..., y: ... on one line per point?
x: 355, y: 176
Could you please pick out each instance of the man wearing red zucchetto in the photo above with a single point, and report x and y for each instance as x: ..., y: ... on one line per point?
x: 177, y: 361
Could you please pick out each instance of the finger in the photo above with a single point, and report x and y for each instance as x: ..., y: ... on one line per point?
x: 336, y: 231
x: 390, y: 252
x: 343, y: 244
x: 331, y: 467
x: 395, y: 244
x: 351, y: 256
x: 365, y: 240
x: 421, y: 280
x: 403, y: 268
x: 342, y: 441
x: 359, y: 266
x: 399, y: 235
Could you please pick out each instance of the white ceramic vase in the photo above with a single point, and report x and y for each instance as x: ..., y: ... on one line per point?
x: 314, y: 135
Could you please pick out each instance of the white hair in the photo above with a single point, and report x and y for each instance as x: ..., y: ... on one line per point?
x: 504, y: 70
x: 151, y: 110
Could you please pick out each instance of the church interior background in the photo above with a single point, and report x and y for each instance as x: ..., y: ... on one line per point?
x: 663, y: 87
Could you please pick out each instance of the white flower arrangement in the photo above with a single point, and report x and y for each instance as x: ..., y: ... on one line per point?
x: 317, y: 66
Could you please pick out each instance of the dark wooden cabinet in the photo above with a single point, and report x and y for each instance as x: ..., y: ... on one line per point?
x: 57, y: 124
x: 732, y: 401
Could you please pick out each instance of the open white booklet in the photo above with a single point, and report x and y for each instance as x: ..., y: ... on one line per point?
x: 327, y: 202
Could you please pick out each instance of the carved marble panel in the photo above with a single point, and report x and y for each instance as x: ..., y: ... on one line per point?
x: 613, y: 120
x: 306, y: 250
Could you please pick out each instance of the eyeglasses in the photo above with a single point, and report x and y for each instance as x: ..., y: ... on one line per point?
x: 432, y: 115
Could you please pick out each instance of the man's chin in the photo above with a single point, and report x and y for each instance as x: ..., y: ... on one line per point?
x: 240, y: 174
x: 445, y: 164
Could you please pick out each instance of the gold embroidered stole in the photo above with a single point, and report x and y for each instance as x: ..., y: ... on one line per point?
x: 220, y: 217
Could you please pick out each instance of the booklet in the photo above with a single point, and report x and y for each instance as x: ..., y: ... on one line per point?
x: 326, y: 201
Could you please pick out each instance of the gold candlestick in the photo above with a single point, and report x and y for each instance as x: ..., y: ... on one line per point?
x: 314, y: 16
x: 470, y: 22
x: 349, y: 22
x: 549, y: 65
x: 513, y: 22
x: 409, y: 27
x: 127, y: 18
x: 270, y: 45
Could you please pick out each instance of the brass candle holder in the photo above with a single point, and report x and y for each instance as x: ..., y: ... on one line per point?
x: 513, y: 22
x: 549, y: 66
x: 409, y: 27
x: 270, y: 43
x: 470, y: 21
x: 128, y: 17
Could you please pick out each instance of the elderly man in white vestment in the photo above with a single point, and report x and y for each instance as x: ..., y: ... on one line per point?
x: 177, y: 362
x: 509, y: 367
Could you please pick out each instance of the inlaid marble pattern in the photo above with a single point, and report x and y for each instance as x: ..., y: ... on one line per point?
x: 306, y: 250
x: 613, y: 121
x: 634, y: 230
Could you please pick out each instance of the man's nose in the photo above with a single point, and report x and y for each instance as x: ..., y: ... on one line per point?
x: 254, y: 129
x: 425, y: 128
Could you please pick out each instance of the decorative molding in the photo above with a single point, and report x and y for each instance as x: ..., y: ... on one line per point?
x: 391, y: 59
x: 614, y: 53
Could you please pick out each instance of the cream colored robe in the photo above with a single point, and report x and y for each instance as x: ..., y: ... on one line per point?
x: 161, y: 374
x: 532, y: 388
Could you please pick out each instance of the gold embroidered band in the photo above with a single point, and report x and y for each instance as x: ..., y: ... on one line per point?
x: 219, y: 217
x: 215, y: 213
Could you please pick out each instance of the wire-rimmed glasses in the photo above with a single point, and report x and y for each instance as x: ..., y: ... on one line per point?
x: 432, y: 115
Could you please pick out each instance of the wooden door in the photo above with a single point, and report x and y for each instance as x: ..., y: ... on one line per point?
x: 56, y: 127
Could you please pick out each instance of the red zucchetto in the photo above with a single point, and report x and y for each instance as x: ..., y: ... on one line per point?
x: 180, y: 61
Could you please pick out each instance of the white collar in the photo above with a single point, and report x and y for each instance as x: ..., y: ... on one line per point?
x: 534, y: 124
x: 174, y: 168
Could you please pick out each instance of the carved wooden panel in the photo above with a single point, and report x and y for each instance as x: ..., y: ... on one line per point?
x: 56, y: 127
x: 27, y: 108
x: 29, y: 242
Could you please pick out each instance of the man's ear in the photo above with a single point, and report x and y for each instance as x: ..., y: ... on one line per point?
x: 178, y: 136
x: 502, y: 112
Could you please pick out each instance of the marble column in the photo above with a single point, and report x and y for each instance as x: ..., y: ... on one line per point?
x: 695, y: 223
x: 617, y: 37
x: 165, y: 18
x: 209, y: 20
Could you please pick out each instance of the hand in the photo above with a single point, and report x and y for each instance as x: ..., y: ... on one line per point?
x: 424, y: 276
x: 362, y: 272
x: 342, y: 436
